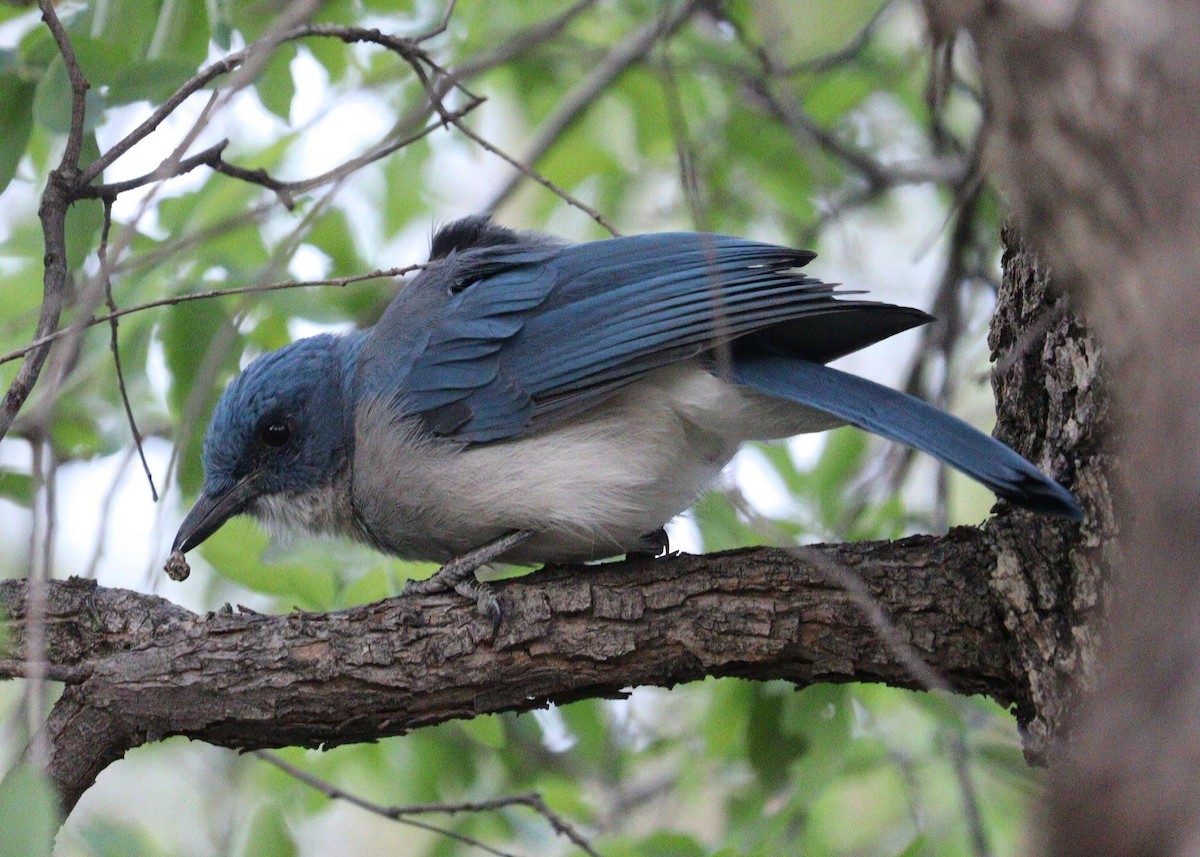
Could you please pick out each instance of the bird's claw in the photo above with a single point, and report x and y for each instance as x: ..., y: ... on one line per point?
x: 459, y: 574
x: 485, y: 598
x: 482, y: 594
x: 652, y: 545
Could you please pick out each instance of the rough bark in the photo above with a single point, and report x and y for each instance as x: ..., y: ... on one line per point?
x: 141, y: 669
x: 1095, y: 134
x: 1051, y: 406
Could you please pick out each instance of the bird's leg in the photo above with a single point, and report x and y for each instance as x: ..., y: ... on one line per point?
x: 459, y: 574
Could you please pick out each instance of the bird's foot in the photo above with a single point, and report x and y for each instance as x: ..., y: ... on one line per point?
x: 459, y: 574
x: 652, y: 545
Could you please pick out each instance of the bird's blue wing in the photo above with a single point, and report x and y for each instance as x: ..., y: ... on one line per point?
x: 498, y: 341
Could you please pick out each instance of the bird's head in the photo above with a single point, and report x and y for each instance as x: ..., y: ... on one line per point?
x: 278, y: 434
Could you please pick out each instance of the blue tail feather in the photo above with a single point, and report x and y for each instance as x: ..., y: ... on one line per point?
x: 901, y: 417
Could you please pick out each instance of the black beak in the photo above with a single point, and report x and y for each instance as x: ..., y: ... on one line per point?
x: 210, y: 512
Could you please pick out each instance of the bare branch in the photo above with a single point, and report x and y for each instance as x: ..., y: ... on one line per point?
x: 286, y: 189
x: 52, y: 213
x: 79, y: 87
x: 533, y: 800
x: 568, y: 633
x: 114, y: 189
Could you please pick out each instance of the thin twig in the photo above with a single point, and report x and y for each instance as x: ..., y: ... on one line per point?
x: 172, y: 246
x: 287, y: 188
x: 156, y: 118
x: 209, y: 295
x: 114, y: 345
x: 684, y: 156
x: 92, y: 294
x: 877, y: 175
x: 111, y: 190
x: 440, y: 27
x: 531, y: 173
x: 510, y: 47
x: 400, y: 813
x: 970, y: 797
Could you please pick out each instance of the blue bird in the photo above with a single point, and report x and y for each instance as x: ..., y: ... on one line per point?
x: 533, y: 401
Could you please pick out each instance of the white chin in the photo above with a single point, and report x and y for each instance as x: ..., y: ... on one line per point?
x: 323, y: 512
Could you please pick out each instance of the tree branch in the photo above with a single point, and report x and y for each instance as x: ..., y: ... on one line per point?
x: 52, y: 212
x: 147, y: 669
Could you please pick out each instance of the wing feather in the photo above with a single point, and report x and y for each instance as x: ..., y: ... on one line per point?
x: 492, y: 342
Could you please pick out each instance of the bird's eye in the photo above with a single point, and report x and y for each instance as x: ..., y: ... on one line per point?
x: 275, y: 434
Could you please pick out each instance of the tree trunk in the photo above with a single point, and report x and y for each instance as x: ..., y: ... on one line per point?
x: 1095, y: 135
x: 1052, y: 408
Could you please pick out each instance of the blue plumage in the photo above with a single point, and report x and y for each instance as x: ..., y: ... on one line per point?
x: 576, y: 396
x: 901, y: 417
x: 572, y: 324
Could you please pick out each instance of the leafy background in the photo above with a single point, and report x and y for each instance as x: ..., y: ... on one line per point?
x: 686, y: 138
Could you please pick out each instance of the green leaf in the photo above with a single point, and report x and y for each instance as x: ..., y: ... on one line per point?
x: 16, y: 121
x: 486, y: 730
x: 190, y: 331
x: 84, y: 219
x: 29, y: 814
x: 770, y: 748
x: 332, y: 235
x: 181, y: 31
x: 220, y: 21
x: 670, y: 844
x: 834, y: 93
x: 275, y: 85
x: 268, y: 835
x: 101, y: 60
x: 52, y: 100
x: 149, y: 80
x: 401, y: 205
x: 17, y: 487
x: 75, y: 431
x: 236, y: 552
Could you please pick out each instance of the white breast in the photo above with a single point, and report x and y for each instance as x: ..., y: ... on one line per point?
x: 591, y: 487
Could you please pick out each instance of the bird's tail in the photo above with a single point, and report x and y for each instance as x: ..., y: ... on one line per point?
x: 901, y: 417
